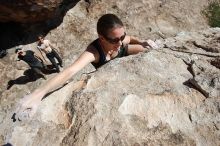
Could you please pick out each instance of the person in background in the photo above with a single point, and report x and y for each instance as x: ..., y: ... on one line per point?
x: 112, y: 42
x: 35, y: 62
x: 46, y: 46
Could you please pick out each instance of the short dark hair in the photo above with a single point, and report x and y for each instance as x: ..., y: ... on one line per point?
x: 40, y: 35
x: 107, y: 22
x: 17, y: 49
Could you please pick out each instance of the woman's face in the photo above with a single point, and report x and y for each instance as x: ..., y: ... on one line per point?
x: 20, y: 53
x: 114, y: 38
x: 40, y: 39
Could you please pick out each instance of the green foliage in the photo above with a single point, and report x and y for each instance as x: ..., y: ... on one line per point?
x: 212, y: 12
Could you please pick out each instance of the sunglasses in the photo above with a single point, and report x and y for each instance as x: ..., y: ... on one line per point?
x: 40, y: 38
x: 115, y: 40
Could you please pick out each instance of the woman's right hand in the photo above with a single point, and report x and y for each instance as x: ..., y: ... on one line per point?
x: 150, y: 44
x: 27, y: 106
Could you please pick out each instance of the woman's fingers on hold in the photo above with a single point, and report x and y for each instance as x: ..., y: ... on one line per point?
x: 152, y: 44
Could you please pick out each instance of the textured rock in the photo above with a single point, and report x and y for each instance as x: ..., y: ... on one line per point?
x: 132, y: 104
x: 168, y: 96
x: 203, y: 62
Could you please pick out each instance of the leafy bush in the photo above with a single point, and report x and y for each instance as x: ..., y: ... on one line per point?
x: 212, y: 12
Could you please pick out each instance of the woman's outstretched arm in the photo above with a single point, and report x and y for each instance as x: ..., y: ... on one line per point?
x: 29, y: 103
x: 61, y: 78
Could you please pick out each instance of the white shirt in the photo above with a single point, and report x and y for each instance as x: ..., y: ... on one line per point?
x: 45, y: 46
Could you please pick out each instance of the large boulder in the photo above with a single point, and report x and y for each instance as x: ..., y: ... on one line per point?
x: 168, y: 96
x: 144, y: 99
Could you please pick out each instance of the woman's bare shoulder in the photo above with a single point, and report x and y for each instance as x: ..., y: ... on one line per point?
x: 94, y: 51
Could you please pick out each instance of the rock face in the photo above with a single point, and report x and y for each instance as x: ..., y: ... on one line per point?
x: 169, y: 96
x: 31, y: 10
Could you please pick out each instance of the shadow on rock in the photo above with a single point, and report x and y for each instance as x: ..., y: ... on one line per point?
x: 13, y: 34
x: 7, y: 144
x: 29, y: 76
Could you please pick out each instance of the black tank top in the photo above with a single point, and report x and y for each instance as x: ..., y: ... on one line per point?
x: 30, y: 59
x: 102, y: 58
